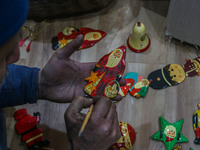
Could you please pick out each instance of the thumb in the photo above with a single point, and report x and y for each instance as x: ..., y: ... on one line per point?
x: 76, y: 106
x: 70, y: 48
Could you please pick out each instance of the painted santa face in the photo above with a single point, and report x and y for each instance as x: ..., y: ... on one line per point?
x: 142, y: 83
x: 177, y: 73
x: 170, y: 131
x: 117, y: 54
x: 114, y: 58
x: 92, y: 36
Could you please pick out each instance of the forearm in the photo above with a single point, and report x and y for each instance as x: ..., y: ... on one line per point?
x: 19, y: 87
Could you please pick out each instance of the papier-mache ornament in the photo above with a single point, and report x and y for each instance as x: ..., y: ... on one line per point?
x: 127, y: 139
x: 196, y: 124
x: 103, y: 80
x: 170, y: 75
x: 178, y: 147
x: 170, y: 133
x: 27, y: 127
x: 91, y: 37
x: 138, y: 41
x: 126, y: 88
x: 192, y: 67
x: 139, y: 86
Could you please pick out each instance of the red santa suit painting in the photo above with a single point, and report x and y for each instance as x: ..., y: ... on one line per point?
x: 91, y: 37
x: 126, y: 88
x: 104, y: 78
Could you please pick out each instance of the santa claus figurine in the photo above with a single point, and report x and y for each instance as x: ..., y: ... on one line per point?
x: 27, y: 127
x: 127, y: 139
x: 105, y: 76
x: 140, y: 88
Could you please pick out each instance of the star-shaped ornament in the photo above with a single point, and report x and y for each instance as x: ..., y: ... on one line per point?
x: 170, y: 133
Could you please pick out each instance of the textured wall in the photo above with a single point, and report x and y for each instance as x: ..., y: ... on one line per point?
x: 51, y: 9
x: 183, y: 21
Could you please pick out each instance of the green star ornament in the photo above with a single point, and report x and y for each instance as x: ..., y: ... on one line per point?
x: 170, y: 134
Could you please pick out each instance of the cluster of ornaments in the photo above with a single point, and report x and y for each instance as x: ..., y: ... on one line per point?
x: 104, y: 78
x: 104, y: 81
x: 174, y: 74
x: 136, y: 85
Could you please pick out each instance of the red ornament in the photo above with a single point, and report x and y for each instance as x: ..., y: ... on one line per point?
x: 26, y: 126
x: 127, y: 139
x: 91, y: 37
x: 103, y: 80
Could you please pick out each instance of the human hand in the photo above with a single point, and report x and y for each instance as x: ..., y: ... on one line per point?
x: 62, y: 78
x: 102, y: 129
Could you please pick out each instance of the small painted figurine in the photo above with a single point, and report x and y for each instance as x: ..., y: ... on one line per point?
x: 27, y: 127
x: 127, y: 139
x: 170, y: 133
x: 91, y: 37
x: 170, y: 75
x: 104, y: 78
x: 140, y: 86
x: 196, y: 125
x: 138, y: 41
x: 192, y: 67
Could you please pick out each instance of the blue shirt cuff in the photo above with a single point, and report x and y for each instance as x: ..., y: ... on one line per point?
x: 19, y: 86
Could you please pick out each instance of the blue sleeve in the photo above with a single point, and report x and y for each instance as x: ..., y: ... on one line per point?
x: 19, y: 86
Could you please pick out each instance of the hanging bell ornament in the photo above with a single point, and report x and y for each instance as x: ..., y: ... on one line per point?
x: 138, y: 41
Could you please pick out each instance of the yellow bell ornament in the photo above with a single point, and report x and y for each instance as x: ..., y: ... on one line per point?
x: 138, y: 41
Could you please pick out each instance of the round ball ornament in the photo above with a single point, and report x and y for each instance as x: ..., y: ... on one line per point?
x: 127, y: 139
x: 138, y: 41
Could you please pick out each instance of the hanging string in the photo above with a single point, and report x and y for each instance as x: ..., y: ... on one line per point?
x: 33, y: 33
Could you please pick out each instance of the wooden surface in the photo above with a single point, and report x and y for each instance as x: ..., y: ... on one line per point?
x: 173, y: 103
